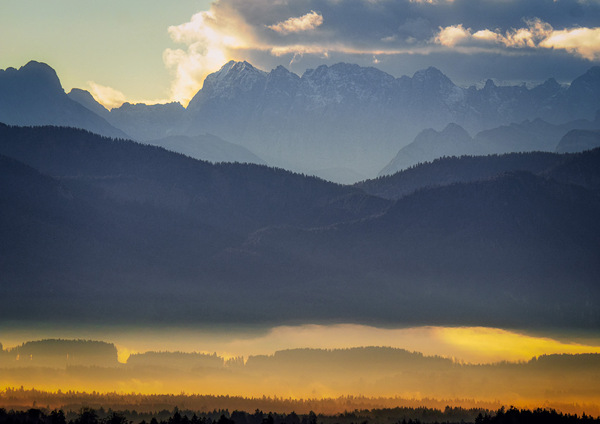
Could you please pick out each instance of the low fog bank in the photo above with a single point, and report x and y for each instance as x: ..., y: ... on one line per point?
x: 54, y: 365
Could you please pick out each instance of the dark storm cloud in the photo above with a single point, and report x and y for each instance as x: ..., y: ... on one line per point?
x: 380, y: 24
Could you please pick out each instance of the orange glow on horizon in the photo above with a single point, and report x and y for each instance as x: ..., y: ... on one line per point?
x: 465, y: 344
x: 495, y: 344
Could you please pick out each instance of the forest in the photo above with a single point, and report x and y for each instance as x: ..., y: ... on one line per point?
x: 566, y: 382
x: 420, y: 415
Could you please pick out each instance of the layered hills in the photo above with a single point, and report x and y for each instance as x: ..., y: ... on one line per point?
x: 99, y: 228
x: 527, y: 136
x: 96, y: 226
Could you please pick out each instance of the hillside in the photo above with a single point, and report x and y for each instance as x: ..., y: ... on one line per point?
x: 93, y: 224
x: 108, y: 221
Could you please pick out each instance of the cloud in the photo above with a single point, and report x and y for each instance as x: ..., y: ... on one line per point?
x: 306, y: 22
x: 107, y: 96
x: 271, y: 32
x: 299, y: 49
x: 212, y: 38
x: 584, y: 42
x: 531, y: 36
x: 452, y: 35
x: 483, y: 343
x: 111, y: 98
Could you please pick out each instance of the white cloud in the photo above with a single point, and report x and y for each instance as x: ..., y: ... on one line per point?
x: 299, y: 49
x: 111, y: 98
x: 306, y: 22
x: 487, y: 35
x: 584, y: 42
x: 212, y: 38
x: 531, y: 36
x: 107, y: 96
x: 220, y: 34
x: 452, y: 35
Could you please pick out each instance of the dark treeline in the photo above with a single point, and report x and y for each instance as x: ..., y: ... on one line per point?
x: 21, y: 399
x: 537, y: 416
x: 376, y: 416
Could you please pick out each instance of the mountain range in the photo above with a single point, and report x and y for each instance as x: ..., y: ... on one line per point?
x: 527, y: 136
x: 341, y: 122
x: 95, y: 228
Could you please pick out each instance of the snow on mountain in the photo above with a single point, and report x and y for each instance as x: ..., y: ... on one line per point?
x: 340, y: 117
x: 350, y: 117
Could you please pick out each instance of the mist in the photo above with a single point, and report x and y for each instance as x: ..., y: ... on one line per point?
x: 458, y: 364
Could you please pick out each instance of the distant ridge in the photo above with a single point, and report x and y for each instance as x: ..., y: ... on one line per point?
x: 527, y: 136
x: 207, y: 147
x: 347, y: 116
x: 578, y: 141
x: 109, y: 221
x: 343, y: 122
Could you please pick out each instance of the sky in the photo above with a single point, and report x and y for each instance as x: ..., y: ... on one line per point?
x: 158, y: 51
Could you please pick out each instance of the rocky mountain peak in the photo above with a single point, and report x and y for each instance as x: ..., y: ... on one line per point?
x: 86, y: 99
x: 453, y: 130
x: 430, y: 74
x: 551, y: 83
x: 589, y: 80
x: 489, y: 85
x: 234, y: 70
x: 282, y: 74
x: 233, y: 79
x: 431, y: 83
x: 42, y: 72
x: 32, y: 79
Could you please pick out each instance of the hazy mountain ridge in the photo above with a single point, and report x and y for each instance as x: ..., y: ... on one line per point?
x: 133, y: 213
x: 579, y: 140
x: 146, y: 122
x: 114, y: 165
x: 162, y: 125
x: 450, y: 170
x: 527, y: 136
x: 207, y: 147
x: 113, y: 213
x: 342, y: 121
x: 344, y: 113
